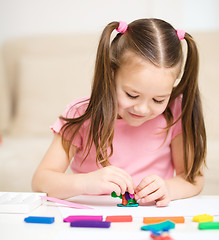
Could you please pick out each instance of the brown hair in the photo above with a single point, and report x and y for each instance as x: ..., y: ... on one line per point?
x: 156, y: 41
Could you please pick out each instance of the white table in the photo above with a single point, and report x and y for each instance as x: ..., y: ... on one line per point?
x: 12, y: 226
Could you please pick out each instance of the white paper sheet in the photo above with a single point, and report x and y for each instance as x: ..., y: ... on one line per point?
x: 100, y: 234
x: 106, y: 206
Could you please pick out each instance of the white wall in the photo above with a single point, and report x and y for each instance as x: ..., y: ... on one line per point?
x: 25, y: 17
x: 191, y: 15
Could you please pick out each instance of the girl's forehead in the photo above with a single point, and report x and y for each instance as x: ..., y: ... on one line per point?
x: 133, y: 62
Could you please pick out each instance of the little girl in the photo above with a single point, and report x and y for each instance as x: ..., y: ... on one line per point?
x: 142, y: 128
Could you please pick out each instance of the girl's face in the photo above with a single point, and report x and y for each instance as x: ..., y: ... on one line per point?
x: 143, y: 90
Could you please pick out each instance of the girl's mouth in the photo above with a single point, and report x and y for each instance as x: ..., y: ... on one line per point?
x: 136, y: 116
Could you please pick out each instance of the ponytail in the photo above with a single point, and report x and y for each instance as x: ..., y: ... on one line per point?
x: 194, y: 134
x: 103, y: 103
x: 102, y: 107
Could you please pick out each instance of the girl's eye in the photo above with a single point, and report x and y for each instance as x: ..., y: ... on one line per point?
x: 131, y: 96
x: 156, y: 101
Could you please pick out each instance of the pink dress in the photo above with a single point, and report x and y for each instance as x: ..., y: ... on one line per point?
x: 141, y: 151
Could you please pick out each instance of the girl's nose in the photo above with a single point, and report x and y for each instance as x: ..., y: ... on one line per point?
x: 142, y: 109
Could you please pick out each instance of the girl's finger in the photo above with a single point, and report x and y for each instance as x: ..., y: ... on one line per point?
x: 148, y: 190
x: 126, y: 178
x: 145, y: 182
x: 163, y: 202
x: 158, y: 194
x: 117, y: 180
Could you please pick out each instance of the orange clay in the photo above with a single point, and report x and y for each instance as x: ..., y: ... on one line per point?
x: 151, y: 220
x: 122, y: 218
x: 124, y: 200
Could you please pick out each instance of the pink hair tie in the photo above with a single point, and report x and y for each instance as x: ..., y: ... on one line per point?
x: 180, y: 34
x: 122, y: 27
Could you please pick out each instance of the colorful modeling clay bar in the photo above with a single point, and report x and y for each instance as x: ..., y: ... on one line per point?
x: 37, y: 219
x: 90, y: 224
x: 208, y: 225
x: 82, y: 218
x: 158, y: 227
x: 203, y: 218
x: 151, y: 220
x: 123, y: 218
x: 87, y: 221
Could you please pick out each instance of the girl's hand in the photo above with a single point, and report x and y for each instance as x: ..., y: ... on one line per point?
x: 107, y: 180
x: 153, y: 188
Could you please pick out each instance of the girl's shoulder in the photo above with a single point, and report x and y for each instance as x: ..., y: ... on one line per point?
x: 76, y: 107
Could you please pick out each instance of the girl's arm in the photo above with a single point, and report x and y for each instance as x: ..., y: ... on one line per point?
x: 154, y: 188
x: 178, y: 187
x: 50, y: 176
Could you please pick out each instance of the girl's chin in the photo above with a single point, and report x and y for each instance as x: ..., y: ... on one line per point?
x: 134, y: 122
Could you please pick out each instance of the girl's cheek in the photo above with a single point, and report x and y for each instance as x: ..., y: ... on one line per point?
x: 160, y: 109
x: 125, y: 106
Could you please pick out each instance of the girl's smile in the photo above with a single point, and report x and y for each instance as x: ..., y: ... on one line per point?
x: 136, y: 116
x: 143, y: 90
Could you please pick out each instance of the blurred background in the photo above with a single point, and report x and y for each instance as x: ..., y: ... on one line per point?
x: 47, y: 54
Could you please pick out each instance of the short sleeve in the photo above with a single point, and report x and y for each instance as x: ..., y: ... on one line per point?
x: 73, y: 110
x: 176, y: 109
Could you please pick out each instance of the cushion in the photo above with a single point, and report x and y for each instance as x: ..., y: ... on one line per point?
x: 46, y: 86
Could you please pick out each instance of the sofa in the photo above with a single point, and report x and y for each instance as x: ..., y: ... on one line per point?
x: 40, y: 75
